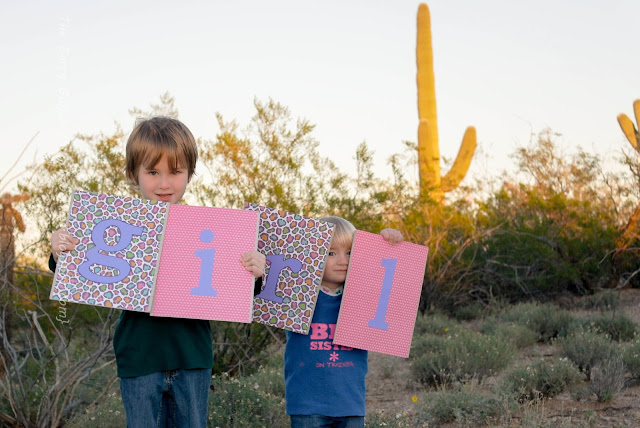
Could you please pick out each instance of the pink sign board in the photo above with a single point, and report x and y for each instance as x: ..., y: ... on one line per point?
x: 296, y: 248
x: 201, y: 274
x: 116, y: 259
x: 381, y: 295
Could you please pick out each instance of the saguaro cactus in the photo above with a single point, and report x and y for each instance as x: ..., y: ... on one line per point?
x: 428, y: 148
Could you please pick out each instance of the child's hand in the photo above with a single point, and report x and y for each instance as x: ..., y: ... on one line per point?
x: 254, y: 262
x: 392, y: 236
x: 61, y: 241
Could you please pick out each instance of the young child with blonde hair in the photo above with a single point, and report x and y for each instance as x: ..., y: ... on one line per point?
x: 325, y: 383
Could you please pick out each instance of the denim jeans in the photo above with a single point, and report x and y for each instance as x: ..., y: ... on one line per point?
x: 318, y: 421
x: 174, y: 398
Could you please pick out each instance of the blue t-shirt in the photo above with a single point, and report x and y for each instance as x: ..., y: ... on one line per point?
x: 322, y: 378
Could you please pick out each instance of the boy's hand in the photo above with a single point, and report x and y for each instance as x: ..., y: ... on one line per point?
x: 392, y: 236
x: 61, y: 241
x: 254, y: 262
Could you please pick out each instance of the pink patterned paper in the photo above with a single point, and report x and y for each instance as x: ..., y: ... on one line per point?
x: 381, y: 295
x: 296, y: 248
x: 115, y: 261
x: 200, y: 273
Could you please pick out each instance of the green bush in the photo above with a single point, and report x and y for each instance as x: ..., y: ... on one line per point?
x: 547, y: 320
x: 586, y: 348
x: 518, y: 335
x: 604, y: 301
x: 465, y: 405
x: 381, y: 420
x: 435, y: 323
x: 238, y: 402
x: 616, y: 324
x: 459, y: 356
x: 109, y: 413
x: 631, y: 358
x: 608, y: 378
x: 469, y: 312
x: 541, y: 379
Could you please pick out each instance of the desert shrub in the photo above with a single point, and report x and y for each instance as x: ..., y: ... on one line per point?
x: 379, y: 419
x: 518, y: 335
x: 237, y: 402
x: 604, y: 301
x: 586, y: 348
x: 541, y: 379
x: 608, y: 378
x: 434, y: 323
x: 616, y: 324
x: 631, y: 358
x: 547, y: 320
x: 469, y: 312
x: 459, y: 356
x: 465, y: 405
x: 108, y: 413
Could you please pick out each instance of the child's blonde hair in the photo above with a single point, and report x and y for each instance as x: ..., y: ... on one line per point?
x: 156, y: 137
x: 342, y: 232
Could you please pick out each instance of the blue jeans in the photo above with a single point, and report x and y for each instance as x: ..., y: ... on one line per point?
x: 174, y: 398
x: 318, y: 421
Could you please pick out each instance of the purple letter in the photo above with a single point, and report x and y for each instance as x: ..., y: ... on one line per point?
x: 276, y: 264
x: 389, y: 271
x: 95, y: 257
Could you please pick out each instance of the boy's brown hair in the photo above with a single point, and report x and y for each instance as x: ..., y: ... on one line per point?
x: 342, y: 232
x: 156, y: 137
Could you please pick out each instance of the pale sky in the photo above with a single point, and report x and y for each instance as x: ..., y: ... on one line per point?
x: 507, y: 67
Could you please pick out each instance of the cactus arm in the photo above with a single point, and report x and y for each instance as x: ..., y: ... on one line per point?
x: 628, y: 128
x: 463, y: 160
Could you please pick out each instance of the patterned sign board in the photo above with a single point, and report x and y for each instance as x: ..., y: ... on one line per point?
x: 201, y: 274
x: 381, y: 295
x: 136, y: 254
x: 296, y: 248
x: 116, y: 260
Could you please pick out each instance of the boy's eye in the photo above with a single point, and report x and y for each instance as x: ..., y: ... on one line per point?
x: 348, y: 253
x: 332, y: 253
x: 153, y: 172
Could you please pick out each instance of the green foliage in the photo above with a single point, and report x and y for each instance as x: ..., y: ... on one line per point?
x: 616, y: 324
x: 469, y: 312
x: 108, y: 413
x: 553, y: 232
x: 241, y: 348
x: 547, y: 320
x: 540, y: 379
x: 606, y: 300
x: 459, y: 356
x: 465, y: 405
x: 435, y: 323
x: 631, y: 358
x: 238, y: 402
x: 608, y: 378
x: 378, y: 419
x: 586, y: 348
x: 518, y: 335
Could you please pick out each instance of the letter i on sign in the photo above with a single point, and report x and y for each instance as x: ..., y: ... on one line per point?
x: 205, y: 288
x: 385, y: 293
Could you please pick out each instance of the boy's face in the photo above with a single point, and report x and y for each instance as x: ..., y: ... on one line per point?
x: 335, y: 272
x: 161, y: 183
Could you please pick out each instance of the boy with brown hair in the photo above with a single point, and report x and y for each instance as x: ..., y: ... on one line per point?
x: 164, y: 364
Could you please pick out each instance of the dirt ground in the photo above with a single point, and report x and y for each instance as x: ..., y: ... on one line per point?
x: 390, y: 389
